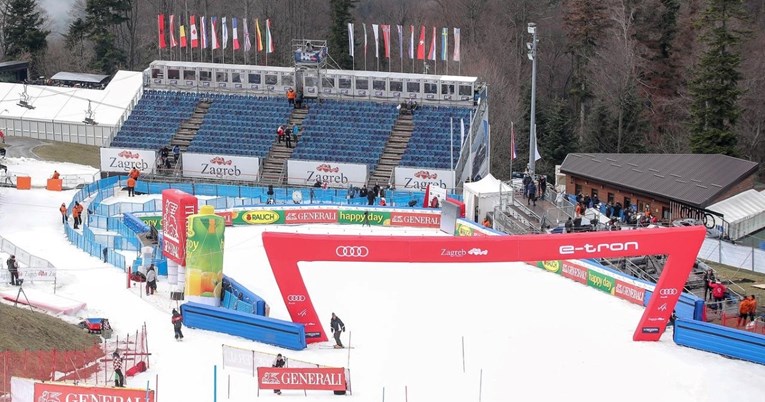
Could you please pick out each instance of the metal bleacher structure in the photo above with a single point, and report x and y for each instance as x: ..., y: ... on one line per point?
x: 347, y: 116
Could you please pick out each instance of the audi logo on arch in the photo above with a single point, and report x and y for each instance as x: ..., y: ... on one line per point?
x: 352, y: 251
x: 296, y: 298
x: 668, y: 292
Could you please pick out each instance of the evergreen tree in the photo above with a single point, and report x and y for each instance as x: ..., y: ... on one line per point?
x: 23, y: 32
x: 714, y: 88
x: 341, y: 16
x: 559, y: 136
x: 102, y: 17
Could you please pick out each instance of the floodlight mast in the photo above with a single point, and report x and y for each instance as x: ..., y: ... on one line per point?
x: 532, y: 54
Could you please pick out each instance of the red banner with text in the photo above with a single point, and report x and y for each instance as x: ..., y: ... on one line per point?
x: 329, y: 379
x: 52, y: 392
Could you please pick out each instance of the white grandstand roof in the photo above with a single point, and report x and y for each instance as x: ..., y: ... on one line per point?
x: 744, y: 212
x: 64, y: 104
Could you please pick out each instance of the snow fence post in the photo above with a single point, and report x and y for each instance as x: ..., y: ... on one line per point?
x: 215, y: 383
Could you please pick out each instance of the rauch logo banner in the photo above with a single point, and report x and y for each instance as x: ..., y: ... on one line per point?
x: 418, y: 179
x: 224, y: 167
x: 123, y: 160
x: 337, y: 175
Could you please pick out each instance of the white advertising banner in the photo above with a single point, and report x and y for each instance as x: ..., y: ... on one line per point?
x: 414, y: 179
x: 123, y: 160
x: 224, y: 167
x: 338, y: 175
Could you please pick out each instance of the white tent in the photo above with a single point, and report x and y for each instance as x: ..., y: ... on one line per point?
x: 483, y: 194
x: 744, y: 213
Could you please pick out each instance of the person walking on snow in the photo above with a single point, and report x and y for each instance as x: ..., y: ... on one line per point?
x: 151, y: 280
x: 177, y: 321
x: 337, y: 326
x: 279, y: 363
x: 63, y: 211
x: 13, y: 268
x: 119, y: 379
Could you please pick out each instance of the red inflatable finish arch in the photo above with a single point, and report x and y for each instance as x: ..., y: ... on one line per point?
x: 681, y: 245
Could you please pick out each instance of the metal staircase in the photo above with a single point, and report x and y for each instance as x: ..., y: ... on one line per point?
x: 274, y: 168
x: 394, y: 150
x: 186, y: 133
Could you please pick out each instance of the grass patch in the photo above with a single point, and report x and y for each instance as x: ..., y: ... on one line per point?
x: 23, y: 329
x: 745, y: 279
x: 68, y: 152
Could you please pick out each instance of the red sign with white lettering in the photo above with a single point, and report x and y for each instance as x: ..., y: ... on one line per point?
x: 574, y: 272
x: 629, y: 292
x: 303, y: 216
x: 330, y: 379
x: 52, y: 392
x: 228, y: 217
x: 415, y: 220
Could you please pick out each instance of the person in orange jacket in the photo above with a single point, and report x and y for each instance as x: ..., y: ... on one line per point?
x: 131, y: 187
x: 64, y: 213
x: 76, y: 214
x: 291, y: 96
x: 56, y: 175
x: 487, y: 222
x: 134, y: 173
x: 743, y: 310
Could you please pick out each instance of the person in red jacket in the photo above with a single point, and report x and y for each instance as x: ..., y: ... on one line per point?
x: 177, y: 321
x: 718, y: 293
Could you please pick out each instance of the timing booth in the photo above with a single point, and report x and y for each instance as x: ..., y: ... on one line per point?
x: 482, y: 196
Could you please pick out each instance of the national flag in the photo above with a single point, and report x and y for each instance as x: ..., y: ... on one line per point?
x: 224, y: 31
x: 365, y: 39
x: 194, y: 33
x: 247, y: 43
x: 444, y: 43
x: 432, y: 51
x: 173, y: 43
x: 183, y: 35
x: 462, y: 132
x: 270, y: 47
x: 421, y: 44
x: 235, y: 34
x: 513, y: 150
x: 351, y: 44
x: 258, y: 36
x: 386, y: 39
x: 214, y: 33
x: 400, y: 41
x: 411, y: 42
x: 203, y: 32
x: 377, y: 40
x: 537, y: 156
x: 456, y: 56
x: 161, y: 29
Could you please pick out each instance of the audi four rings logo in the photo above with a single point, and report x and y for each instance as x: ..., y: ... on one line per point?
x: 352, y: 251
x: 295, y: 298
x: 668, y: 292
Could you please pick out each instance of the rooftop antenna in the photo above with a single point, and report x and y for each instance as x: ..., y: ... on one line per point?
x: 89, y: 114
x: 24, y: 102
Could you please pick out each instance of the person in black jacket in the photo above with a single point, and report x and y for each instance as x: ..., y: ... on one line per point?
x: 177, y: 321
x: 13, y: 268
x: 119, y: 379
x: 279, y: 362
x: 371, y: 197
x: 337, y: 326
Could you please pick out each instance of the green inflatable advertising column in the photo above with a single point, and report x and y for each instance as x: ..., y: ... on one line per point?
x: 204, y: 257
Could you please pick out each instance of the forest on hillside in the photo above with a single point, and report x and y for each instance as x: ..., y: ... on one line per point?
x: 614, y: 76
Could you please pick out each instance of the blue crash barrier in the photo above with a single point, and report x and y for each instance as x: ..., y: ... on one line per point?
x: 722, y: 340
x: 241, y: 295
x: 689, y: 307
x: 134, y: 223
x: 254, y: 327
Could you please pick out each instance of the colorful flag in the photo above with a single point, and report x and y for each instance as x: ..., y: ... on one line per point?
x: 462, y: 133
x: 235, y: 34
x: 161, y: 28
x: 270, y: 47
x: 432, y: 51
x: 444, y: 43
x: 258, y: 36
x: 351, y: 44
x: 214, y: 33
x: 224, y: 31
x: 456, y: 56
x: 203, y: 32
x: 194, y: 33
x: 513, y: 150
x: 411, y: 42
x: 400, y: 41
x: 183, y: 35
x: 247, y: 43
x: 377, y: 40
x: 365, y: 39
x: 421, y: 44
x: 386, y: 39
x: 173, y: 43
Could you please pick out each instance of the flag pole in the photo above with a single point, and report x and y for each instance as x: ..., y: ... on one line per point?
x: 512, y: 145
x: 188, y: 34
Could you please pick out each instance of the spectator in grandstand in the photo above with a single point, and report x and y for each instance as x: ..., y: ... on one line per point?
x: 13, y: 268
x: 371, y: 197
x: 618, y: 210
x: 279, y: 363
x: 280, y: 133
x: 291, y: 95
x: 288, y: 136
x: 376, y: 190
x: 363, y: 192
x: 531, y: 190
x: 164, y: 152
x: 299, y: 100
x: 151, y: 280
x: 526, y: 181
x: 295, y: 132
x: 708, y: 278
x: 718, y: 293
x: 382, y: 202
x: 64, y: 213
x: 177, y: 321
x: 176, y: 152
x: 131, y: 187
x: 76, y: 214
x: 119, y: 378
x: 569, y: 225
x: 542, y: 186
x: 337, y: 326
x: 55, y: 175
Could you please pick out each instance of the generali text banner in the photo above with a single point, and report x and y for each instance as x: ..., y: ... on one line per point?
x: 414, y: 179
x: 123, y: 160
x: 338, y: 175
x: 224, y: 167
x: 330, y: 379
x: 52, y: 392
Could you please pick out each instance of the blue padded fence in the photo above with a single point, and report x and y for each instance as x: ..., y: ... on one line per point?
x: 688, y: 307
x: 722, y: 340
x: 239, y: 297
x: 254, y: 327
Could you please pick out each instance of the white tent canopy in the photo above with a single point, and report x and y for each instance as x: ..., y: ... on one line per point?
x: 744, y: 213
x: 484, y: 195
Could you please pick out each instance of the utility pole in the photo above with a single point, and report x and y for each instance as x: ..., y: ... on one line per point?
x: 532, y: 54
